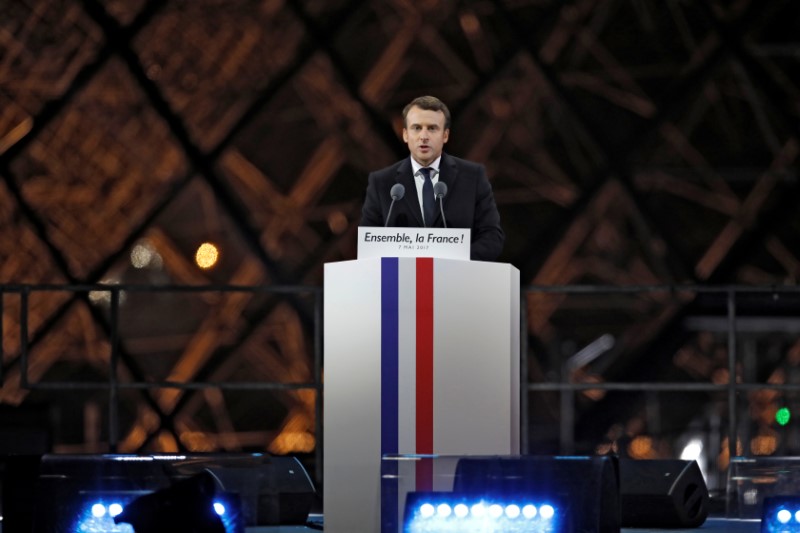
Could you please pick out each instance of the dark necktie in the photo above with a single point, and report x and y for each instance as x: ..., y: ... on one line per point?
x: 428, y: 202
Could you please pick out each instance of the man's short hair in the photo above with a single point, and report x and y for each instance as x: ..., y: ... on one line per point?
x: 428, y: 103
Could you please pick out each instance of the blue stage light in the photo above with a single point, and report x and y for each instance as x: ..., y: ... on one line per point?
x: 426, y: 510
x: 780, y: 514
x: 219, y: 508
x: 98, y: 512
x: 436, y: 512
x: 114, y: 509
x: 96, y: 515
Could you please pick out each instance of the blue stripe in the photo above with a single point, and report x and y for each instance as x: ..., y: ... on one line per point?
x: 389, y: 354
x: 390, y: 358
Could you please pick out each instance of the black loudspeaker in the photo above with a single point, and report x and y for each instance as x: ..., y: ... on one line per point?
x: 187, y: 505
x: 662, y: 493
x: 266, y: 490
x: 273, y: 490
x: 586, y: 487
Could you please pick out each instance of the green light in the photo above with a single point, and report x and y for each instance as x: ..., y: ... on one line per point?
x: 783, y: 416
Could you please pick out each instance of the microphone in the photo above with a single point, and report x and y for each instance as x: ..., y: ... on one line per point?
x: 397, y: 193
x: 439, y: 192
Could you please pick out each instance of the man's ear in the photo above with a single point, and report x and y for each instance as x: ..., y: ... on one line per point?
x: 405, y: 135
x: 445, y: 135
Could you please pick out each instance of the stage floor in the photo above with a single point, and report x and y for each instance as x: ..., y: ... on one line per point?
x: 712, y: 525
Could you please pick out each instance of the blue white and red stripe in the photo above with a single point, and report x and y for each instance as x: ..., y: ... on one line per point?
x: 407, y: 419
x: 407, y: 357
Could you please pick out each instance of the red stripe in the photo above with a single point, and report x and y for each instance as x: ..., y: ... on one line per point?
x: 424, y: 328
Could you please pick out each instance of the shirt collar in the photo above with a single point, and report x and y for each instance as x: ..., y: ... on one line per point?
x: 434, y: 165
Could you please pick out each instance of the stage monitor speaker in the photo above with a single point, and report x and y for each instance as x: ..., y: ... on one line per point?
x: 662, y: 493
x: 274, y: 490
x: 269, y: 490
x: 191, y: 504
x: 588, y: 486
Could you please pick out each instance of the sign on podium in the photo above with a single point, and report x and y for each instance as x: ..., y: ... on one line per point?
x: 443, y: 243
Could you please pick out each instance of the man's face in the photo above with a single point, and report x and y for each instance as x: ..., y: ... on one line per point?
x: 425, y: 135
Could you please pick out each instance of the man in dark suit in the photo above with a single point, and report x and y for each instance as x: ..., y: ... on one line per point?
x: 469, y: 202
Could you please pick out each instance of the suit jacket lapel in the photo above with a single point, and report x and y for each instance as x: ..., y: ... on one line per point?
x: 405, y: 176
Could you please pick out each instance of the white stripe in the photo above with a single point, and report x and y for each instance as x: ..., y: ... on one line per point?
x: 407, y: 379
x: 407, y: 349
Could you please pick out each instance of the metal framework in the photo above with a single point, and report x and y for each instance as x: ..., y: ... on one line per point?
x: 566, y: 386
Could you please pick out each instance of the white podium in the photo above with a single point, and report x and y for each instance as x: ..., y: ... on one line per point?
x: 421, y: 357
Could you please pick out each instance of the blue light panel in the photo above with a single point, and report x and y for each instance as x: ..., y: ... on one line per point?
x: 97, y: 514
x: 451, y: 512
